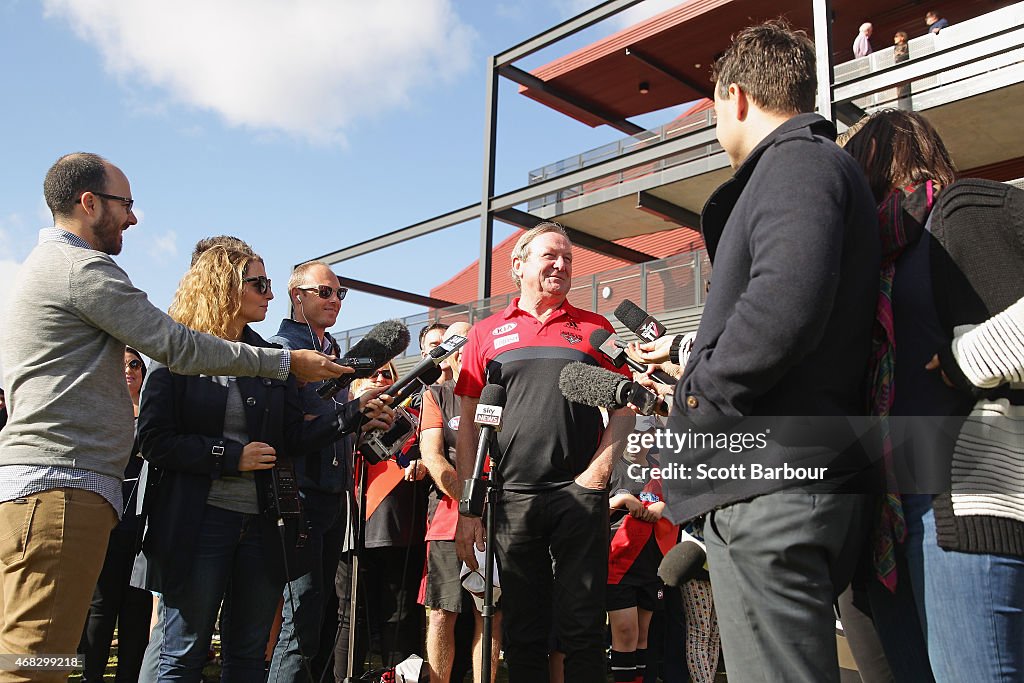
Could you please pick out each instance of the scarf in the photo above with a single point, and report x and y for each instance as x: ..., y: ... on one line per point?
x: 901, y: 219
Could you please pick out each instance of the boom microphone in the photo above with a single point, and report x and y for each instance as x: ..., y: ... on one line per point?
x: 608, y: 344
x: 600, y: 388
x: 636, y: 319
x: 382, y: 343
x: 488, y: 417
x: 433, y: 359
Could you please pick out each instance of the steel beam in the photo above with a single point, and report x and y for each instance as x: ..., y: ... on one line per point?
x: 483, y: 282
x: 681, y: 216
x: 705, y: 89
x: 528, y: 80
x: 525, y: 221
x: 396, y: 294
x: 822, y: 11
x: 566, y: 28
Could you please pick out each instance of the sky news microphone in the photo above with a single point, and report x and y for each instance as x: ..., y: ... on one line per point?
x: 488, y: 418
x: 600, y: 388
x: 608, y: 344
x: 382, y: 343
x: 433, y: 360
x: 636, y: 319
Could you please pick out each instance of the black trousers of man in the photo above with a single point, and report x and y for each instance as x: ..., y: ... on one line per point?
x: 552, y: 549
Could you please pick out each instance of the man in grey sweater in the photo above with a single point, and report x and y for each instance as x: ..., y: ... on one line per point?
x: 69, y: 436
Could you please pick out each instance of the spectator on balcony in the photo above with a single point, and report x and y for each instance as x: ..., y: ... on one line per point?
x: 862, y: 44
x: 935, y: 24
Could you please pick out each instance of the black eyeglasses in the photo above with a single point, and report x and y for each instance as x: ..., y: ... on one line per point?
x: 325, y: 292
x: 128, y: 201
x: 262, y: 283
x: 133, y: 364
x: 386, y: 374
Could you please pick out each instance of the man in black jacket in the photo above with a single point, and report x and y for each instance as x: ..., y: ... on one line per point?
x: 786, y: 331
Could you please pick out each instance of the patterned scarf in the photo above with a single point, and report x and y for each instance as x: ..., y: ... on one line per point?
x: 901, y: 219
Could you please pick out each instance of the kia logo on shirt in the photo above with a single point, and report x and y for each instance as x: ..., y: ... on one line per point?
x: 503, y: 329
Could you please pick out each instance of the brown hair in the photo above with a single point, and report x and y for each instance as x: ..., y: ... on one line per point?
x: 773, y: 64
x: 899, y: 148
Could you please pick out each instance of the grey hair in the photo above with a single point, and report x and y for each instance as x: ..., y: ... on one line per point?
x: 522, y: 248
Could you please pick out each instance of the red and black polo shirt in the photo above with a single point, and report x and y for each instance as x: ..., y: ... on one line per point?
x: 545, y: 441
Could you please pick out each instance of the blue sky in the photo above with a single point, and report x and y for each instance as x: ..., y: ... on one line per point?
x: 300, y: 126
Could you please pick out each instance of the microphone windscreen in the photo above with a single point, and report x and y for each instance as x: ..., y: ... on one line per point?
x: 599, y: 337
x: 630, y: 315
x: 383, y: 342
x: 492, y: 395
x: 591, y: 386
x: 683, y: 562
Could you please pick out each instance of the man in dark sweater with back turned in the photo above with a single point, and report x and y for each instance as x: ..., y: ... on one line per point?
x: 786, y: 332
x: 65, y: 447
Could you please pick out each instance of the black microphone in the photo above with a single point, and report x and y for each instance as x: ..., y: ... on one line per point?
x: 600, y: 388
x: 608, y: 344
x: 684, y: 561
x: 382, y: 343
x: 636, y: 319
x: 488, y: 416
x: 433, y: 359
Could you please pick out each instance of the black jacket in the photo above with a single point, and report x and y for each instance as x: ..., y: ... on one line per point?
x: 181, y: 433
x: 786, y: 330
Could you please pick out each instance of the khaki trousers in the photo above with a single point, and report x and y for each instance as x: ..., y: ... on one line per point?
x: 52, y: 546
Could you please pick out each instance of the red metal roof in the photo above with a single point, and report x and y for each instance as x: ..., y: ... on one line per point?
x: 687, y: 39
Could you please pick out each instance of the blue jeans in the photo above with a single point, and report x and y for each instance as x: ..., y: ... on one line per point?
x: 229, y: 564
x: 305, y: 598
x: 969, y: 606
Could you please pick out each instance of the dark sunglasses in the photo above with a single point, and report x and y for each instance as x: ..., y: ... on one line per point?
x: 386, y: 374
x: 127, y: 201
x: 262, y: 283
x: 325, y: 292
x: 133, y: 364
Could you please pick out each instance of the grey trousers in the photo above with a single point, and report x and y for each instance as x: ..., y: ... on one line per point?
x: 777, y: 564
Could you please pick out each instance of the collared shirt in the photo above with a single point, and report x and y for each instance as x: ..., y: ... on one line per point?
x: 18, y: 481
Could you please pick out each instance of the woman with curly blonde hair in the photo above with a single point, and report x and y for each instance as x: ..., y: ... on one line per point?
x: 210, y: 537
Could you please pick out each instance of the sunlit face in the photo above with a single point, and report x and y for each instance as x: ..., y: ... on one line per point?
x: 431, y: 341
x: 546, y: 272
x: 726, y: 126
x: 383, y: 377
x: 133, y: 373
x: 320, y: 313
x: 112, y: 216
x: 254, y: 305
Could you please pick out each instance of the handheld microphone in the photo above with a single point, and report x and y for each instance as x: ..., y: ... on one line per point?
x: 382, y: 343
x: 608, y: 344
x: 600, y: 388
x: 684, y: 561
x: 433, y: 359
x: 488, y: 416
x: 383, y: 444
x: 636, y: 319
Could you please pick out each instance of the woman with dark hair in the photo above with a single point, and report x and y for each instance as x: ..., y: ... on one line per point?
x: 210, y: 537
x: 939, y: 613
x: 115, y: 601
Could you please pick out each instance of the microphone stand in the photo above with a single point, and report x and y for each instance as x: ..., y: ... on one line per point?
x: 357, y: 552
x: 471, y: 503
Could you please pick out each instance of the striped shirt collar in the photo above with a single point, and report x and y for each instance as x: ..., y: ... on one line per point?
x: 61, y: 235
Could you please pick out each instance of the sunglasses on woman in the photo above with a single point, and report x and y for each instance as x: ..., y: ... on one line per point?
x: 133, y: 364
x: 325, y: 292
x: 386, y: 374
x: 262, y: 283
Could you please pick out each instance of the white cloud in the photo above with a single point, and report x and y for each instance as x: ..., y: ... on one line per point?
x: 305, y: 67
x: 163, y: 247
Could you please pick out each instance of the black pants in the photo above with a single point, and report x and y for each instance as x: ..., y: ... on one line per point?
x: 552, y: 549
x: 115, y: 602
x: 389, y: 580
